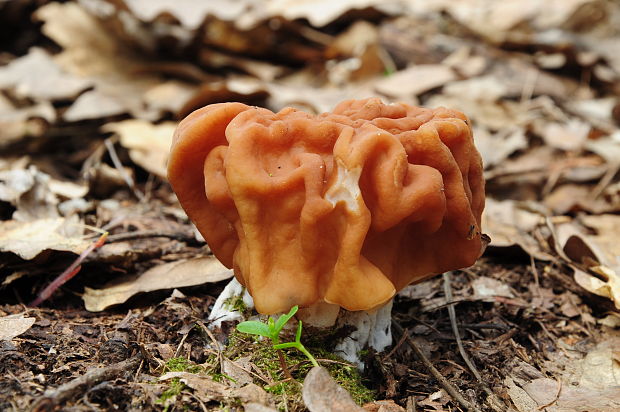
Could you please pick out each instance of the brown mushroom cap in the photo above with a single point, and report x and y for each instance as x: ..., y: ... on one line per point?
x: 345, y: 207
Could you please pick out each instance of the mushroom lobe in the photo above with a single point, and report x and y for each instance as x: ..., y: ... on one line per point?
x: 346, y: 207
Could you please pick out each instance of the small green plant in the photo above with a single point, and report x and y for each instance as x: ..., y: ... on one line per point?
x: 272, y: 330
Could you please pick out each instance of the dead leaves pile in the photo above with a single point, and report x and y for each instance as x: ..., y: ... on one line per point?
x: 88, y: 106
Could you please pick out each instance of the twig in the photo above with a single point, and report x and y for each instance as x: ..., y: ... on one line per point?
x: 283, y: 365
x: 70, y: 390
x: 411, y: 404
x: 69, y: 273
x: 144, y: 234
x: 447, y: 287
x: 119, y: 166
x: 445, y: 384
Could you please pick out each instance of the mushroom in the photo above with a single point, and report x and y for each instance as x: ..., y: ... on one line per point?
x: 333, y: 212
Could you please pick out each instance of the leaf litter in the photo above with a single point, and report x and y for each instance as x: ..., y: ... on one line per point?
x: 90, y: 91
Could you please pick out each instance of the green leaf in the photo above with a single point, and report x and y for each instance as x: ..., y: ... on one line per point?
x: 285, y: 318
x: 254, y: 328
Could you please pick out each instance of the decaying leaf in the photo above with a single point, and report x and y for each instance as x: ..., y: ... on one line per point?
x: 167, y: 276
x: 148, y: 144
x: 509, y: 225
x: 38, y: 76
x: 415, y: 80
x: 14, y: 325
x: 28, y: 239
x: 35, y: 194
x: 93, y: 53
x: 321, y: 393
x: 206, y: 388
x: 602, y: 277
x: 592, y: 384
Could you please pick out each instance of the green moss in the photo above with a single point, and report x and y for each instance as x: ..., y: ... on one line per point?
x: 236, y: 303
x: 265, y: 357
x: 169, y: 396
x: 182, y: 365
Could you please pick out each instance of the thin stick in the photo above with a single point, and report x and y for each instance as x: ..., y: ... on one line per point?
x: 447, y: 287
x: 445, y: 384
x: 81, y: 384
x: 119, y: 166
x: 144, y: 234
x: 69, y: 273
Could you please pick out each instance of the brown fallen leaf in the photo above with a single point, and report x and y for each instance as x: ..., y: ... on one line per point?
x: 167, y: 276
x: 148, y: 144
x: 38, y: 76
x: 93, y: 53
x: 28, y: 239
x: 238, y: 370
x: 14, y: 325
x: 602, y: 277
x: 510, y: 225
x: 383, y: 406
x: 321, y: 393
x: 415, y: 80
x: 206, y: 389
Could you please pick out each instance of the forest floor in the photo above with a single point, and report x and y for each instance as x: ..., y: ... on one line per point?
x: 90, y: 93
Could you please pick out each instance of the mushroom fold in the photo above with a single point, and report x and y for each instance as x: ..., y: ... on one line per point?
x: 346, y: 207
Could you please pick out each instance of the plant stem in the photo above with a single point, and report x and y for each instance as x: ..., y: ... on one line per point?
x: 283, y: 365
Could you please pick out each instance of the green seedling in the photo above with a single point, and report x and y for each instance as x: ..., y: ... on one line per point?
x: 272, y: 330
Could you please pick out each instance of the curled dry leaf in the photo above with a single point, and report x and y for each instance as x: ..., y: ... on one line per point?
x: 14, y: 325
x: 167, y: 276
x: 509, y: 225
x: 599, y: 258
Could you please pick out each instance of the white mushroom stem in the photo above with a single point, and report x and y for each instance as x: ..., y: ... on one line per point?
x: 371, y: 329
x: 223, y: 311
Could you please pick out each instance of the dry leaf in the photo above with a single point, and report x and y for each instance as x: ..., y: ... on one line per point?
x: 238, y: 370
x: 495, y: 148
x: 486, y: 288
x: 415, y: 80
x: 583, y: 249
x: 19, y: 122
x: 92, y: 52
x: 321, y: 393
x: 93, y: 105
x: 28, y: 239
x: 148, y: 144
x: 570, y: 136
x: 14, y: 325
x: 205, y: 388
x: 38, y: 76
x: 509, y: 225
x: 167, y: 276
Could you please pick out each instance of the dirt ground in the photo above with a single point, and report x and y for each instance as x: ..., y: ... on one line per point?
x: 90, y: 92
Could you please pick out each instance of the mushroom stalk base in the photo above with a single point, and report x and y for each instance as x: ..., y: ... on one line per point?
x: 369, y: 329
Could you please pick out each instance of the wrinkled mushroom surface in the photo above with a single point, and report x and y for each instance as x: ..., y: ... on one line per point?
x: 346, y: 207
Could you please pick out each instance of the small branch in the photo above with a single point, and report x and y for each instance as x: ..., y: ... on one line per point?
x: 119, y: 166
x: 445, y: 384
x: 283, y: 365
x: 72, y: 389
x: 69, y: 273
x: 144, y: 234
x: 447, y: 287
